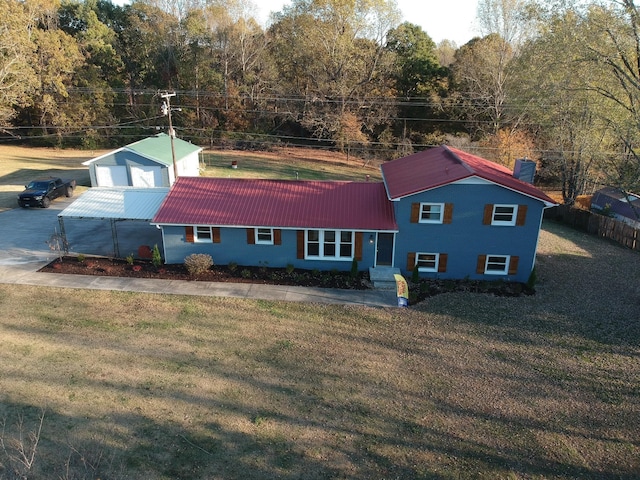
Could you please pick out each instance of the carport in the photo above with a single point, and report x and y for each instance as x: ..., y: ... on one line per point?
x: 112, y: 221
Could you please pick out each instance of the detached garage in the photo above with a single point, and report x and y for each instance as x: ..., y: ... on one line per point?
x: 145, y: 164
x: 112, y: 222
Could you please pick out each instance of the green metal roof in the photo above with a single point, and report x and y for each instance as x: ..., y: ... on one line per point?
x: 158, y: 148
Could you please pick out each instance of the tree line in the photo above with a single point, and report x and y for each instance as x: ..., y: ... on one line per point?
x: 556, y: 82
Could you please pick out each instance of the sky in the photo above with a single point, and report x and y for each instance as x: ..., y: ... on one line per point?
x: 440, y: 19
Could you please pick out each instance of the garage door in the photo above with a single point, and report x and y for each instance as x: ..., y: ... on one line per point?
x: 142, y: 176
x: 112, y: 176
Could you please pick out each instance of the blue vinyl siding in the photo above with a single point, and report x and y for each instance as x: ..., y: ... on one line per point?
x: 233, y: 248
x: 465, y: 238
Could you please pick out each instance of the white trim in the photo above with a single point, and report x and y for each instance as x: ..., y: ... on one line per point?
x: 427, y: 269
x: 504, y: 223
x: 337, y: 243
x: 431, y: 204
x: 196, y: 237
x: 505, y: 271
x: 256, y: 237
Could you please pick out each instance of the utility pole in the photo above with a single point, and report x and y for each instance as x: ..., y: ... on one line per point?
x: 166, y: 110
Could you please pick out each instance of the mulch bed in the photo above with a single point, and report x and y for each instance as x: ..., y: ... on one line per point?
x: 114, y: 267
x: 273, y: 276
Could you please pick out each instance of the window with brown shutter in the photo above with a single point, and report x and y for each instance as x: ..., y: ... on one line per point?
x: 188, y: 234
x: 482, y: 260
x: 513, y: 265
x: 411, y: 261
x: 277, y: 237
x: 488, y: 214
x: 215, y: 234
x: 442, y: 262
x: 522, y: 215
x: 448, y: 213
x: 300, y: 249
x: 358, y: 246
x: 251, y: 236
x: 415, y: 212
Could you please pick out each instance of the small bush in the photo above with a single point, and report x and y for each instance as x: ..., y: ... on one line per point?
x: 415, y: 275
x: 129, y: 259
x: 245, y: 273
x: 198, y: 263
x: 233, y: 266
x: 354, y: 268
x: 533, y: 278
x: 156, y: 258
x: 81, y: 258
x: 290, y: 268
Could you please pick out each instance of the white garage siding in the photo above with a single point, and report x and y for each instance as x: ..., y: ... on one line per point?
x: 146, y: 176
x: 112, y: 176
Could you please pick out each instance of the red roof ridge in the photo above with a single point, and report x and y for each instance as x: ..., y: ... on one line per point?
x: 457, y: 157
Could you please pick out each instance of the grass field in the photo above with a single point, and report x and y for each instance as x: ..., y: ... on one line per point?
x: 139, y: 386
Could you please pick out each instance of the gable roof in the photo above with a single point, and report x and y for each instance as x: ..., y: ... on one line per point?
x: 277, y: 203
x: 156, y: 148
x: 626, y: 205
x: 444, y: 165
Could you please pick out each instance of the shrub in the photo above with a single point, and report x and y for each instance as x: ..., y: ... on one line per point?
x: 81, y: 258
x: 156, y: 259
x: 533, y: 278
x: 354, y: 268
x: 290, y: 268
x: 198, y: 263
x: 415, y: 275
x: 245, y: 273
x: 129, y: 259
x: 232, y: 266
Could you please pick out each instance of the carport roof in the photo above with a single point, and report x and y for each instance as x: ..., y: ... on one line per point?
x: 122, y: 203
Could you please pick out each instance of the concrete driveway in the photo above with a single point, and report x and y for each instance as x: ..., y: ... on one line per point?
x: 24, y: 233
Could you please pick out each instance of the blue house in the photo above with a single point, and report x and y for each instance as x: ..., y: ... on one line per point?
x: 443, y: 211
x: 623, y: 206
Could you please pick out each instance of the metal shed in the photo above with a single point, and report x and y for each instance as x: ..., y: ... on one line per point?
x: 112, y: 221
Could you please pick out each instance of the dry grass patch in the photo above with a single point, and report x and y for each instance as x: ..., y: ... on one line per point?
x: 462, y: 386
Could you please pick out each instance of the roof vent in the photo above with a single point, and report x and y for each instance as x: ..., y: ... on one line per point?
x: 524, y: 170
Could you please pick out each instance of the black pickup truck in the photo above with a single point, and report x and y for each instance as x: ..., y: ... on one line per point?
x: 40, y: 192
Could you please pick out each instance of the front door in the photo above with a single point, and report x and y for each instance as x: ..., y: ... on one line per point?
x: 384, y: 253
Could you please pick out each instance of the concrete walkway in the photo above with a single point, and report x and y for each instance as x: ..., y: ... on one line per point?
x: 25, y: 272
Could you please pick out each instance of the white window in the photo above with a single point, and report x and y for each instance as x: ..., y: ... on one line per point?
x: 203, y: 234
x: 264, y: 236
x: 427, y: 262
x: 431, y: 212
x: 329, y: 244
x: 504, y: 215
x: 496, y: 265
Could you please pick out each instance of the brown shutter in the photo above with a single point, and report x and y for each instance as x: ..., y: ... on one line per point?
x: 488, y: 214
x: 513, y: 265
x: 522, y: 215
x: 358, y: 246
x: 188, y: 234
x: 442, y: 263
x: 277, y: 237
x: 300, y: 252
x: 411, y: 261
x: 251, y: 236
x: 215, y: 234
x: 448, y: 213
x: 482, y: 260
x: 415, y: 212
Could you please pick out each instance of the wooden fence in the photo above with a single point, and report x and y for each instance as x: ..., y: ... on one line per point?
x: 595, y: 224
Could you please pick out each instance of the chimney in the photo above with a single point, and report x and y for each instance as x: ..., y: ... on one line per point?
x: 524, y: 170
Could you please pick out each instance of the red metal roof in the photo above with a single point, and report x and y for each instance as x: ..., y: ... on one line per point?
x: 277, y: 203
x: 443, y: 165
